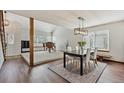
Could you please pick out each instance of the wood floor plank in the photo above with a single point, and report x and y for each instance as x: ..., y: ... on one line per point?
x: 17, y: 71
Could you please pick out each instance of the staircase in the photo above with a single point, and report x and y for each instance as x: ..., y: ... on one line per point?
x: 2, y: 34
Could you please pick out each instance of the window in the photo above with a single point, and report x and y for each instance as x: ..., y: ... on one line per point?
x: 39, y: 39
x: 98, y: 39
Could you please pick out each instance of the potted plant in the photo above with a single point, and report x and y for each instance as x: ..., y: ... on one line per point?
x: 82, y: 44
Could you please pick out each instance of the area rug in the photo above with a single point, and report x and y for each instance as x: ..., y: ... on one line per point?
x: 73, y: 75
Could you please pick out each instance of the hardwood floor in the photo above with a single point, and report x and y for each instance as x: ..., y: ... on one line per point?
x: 114, y: 73
x: 17, y: 71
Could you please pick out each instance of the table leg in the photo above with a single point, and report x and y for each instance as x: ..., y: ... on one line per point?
x: 64, y: 60
x: 81, y: 66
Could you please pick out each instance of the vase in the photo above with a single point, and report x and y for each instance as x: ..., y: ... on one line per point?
x: 81, y: 49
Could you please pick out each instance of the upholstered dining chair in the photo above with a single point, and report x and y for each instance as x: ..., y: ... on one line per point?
x: 69, y: 48
x: 76, y: 48
x: 93, y: 57
x: 69, y: 58
x: 87, y: 60
x: 75, y: 59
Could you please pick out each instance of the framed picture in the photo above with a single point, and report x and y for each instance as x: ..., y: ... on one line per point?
x: 10, y: 38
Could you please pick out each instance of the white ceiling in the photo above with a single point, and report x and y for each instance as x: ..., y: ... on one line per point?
x: 68, y: 18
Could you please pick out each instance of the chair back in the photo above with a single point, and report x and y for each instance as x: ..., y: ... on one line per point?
x: 88, y: 55
x: 69, y: 48
x: 76, y: 48
x: 95, y: 53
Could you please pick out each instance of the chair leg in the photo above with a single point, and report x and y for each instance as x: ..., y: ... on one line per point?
x: 75, y: 63
x: 72, y: 61
x: 96, y: 61
x: 89, y: 67
x: 78, y: 64
x: 67, y: 61
x: 86, y: 68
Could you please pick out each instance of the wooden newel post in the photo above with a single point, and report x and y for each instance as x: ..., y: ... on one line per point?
x: 31, y: 41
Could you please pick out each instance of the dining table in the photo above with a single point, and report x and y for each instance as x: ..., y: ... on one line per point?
x: 75, y: 53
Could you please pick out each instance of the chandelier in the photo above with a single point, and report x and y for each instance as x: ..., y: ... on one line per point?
x: 80, y: 30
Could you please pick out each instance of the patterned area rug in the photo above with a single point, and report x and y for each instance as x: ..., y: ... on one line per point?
x: 73, y: 75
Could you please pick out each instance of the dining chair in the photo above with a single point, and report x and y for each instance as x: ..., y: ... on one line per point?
x: 76, y: 58
x: 87, y: 60
x: 76, y: 48
x: 69, y: 58
x: 93, y: 57
x: 69, y: 48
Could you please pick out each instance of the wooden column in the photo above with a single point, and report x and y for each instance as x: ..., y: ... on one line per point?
x: 31, y: 41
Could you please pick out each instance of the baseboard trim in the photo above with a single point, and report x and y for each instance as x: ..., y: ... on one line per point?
x: 13, y: 57
x: 114, y: 60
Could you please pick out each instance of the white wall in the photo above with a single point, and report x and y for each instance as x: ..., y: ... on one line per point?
x: 42, y: 29
x: 1, y: 54
x: 63, y: 35
x: 19, y: 26
x: 116, y: 38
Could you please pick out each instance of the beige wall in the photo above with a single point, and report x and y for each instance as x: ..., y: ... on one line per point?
x: 116, y: 38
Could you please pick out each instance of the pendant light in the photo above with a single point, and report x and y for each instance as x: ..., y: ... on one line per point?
x: 80, y: 30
